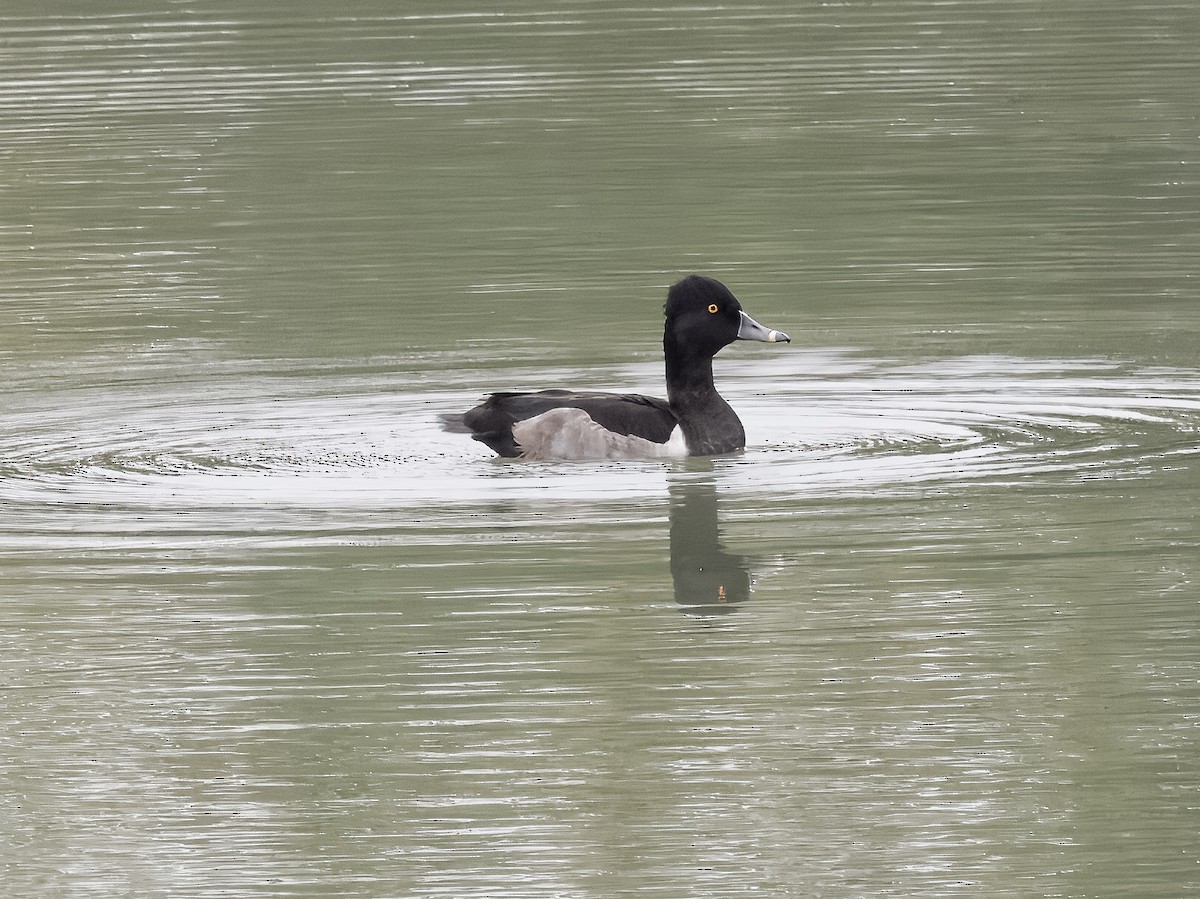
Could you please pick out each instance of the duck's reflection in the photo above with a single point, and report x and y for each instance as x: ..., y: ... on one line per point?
x: 707, y: 578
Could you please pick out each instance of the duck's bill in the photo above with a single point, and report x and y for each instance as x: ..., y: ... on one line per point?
x: 749, y: 329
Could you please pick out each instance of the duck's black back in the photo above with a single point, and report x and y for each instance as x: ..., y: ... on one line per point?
x: 491, y: 422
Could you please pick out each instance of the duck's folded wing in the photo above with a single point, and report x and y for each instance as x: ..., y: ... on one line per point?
x: 643, y: 417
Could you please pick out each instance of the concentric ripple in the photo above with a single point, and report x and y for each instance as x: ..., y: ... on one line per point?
x: 820, y: 422
x: 983, y: 418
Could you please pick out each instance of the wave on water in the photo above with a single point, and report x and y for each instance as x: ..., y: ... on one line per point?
x: 979, y: 419
x: 818, y: 423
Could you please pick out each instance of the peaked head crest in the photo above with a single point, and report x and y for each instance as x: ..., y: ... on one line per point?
x: 696, y: 293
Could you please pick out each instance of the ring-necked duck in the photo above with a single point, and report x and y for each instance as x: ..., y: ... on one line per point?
x: 702, y: 316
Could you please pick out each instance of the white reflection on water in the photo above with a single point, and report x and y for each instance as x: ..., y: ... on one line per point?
x: 817, y: 422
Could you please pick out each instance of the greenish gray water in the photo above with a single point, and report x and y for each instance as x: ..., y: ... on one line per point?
x: 268, y: 630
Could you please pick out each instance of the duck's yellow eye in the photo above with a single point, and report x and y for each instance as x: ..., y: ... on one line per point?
x: 712, y: 307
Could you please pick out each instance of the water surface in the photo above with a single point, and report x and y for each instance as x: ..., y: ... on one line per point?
x: 269, y: 630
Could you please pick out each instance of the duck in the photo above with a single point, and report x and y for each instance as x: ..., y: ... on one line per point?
x: 702, y: 317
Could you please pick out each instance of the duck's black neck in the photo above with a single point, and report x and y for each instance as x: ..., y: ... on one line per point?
x: 709, y: 424
x: 690, y: 381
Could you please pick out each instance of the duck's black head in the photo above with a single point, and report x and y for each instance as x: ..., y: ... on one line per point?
x: 703, y: 316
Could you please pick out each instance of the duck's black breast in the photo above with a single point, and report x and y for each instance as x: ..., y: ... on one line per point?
x: 612, y: 415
